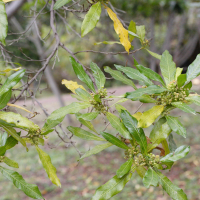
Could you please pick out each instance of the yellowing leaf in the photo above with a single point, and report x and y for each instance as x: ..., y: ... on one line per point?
x: 5, y: 1
x: 71, y: 85
x: 8, y: 70
x: 137, y: 115
x: 16, y: 106
x: 120, y: 30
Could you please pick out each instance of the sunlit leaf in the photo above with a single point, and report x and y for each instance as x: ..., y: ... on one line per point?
x: 150, y: 178
x: 5, y: 98
x: 154, y: 54
x: 141, y: 32
x: 178, y: 72
x: 194, y: 99
x: 10, y: 162
x: 71, y: 85
x: 89, y: 116
x: 184, y: 107
x: 125, y: 168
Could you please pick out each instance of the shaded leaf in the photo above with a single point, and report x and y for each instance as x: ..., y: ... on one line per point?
x: 118, y: 76
x: 30, y: 190
x: 168, y: 67
x: 96, y: 150
x: 91, y: 19
x: 11, y: 142
x: 132, y: 28
x: 141, y: 171
x: 125, y: 168
x: 166, y: 148
x: 149, y: 116
x: 85, y: 135
x: 184, y: 107
x: 131, y: 124
x: 108, y: 42
x: 3, y: 23
x: 181, y: 80
x: 118, y: 125
x: 176, y: 125
x: 172, y: 144
x: 60, y: 3
x: 111, y: 188
x: 81, y: 74
x: 5, y: 98
x: 155, y: 55
x: 150, y: 178
x: 99, y: 76
x: 48, y: 166
x: 112, y: 139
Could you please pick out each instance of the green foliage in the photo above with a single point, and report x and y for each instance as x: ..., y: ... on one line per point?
x: 3, y: 23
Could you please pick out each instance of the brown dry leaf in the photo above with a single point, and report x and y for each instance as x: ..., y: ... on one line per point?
x: 162, y: 151
x: 120, y: 30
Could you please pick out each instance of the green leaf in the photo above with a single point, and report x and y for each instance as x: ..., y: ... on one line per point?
x: 91, y: 19
x: 5, y: 98
x: 12, y: 80
x: 172, y: 144
x: 89, y: 116
x: 160, y: 132
x: 176, y: 125
x: 99, y: 76
x: 150, y: 178
x: 112, y: 139
x: 108, y: 42
x: 48, y: 166
x: 125, y: 168
x: 81, y: 74
x: 30, y: 190
x: 181, y: 152
x: 11, y: 131
x: 154, y: 54
x: 194, y: 69
x: 153, y: 89
x: 184, y: 107
x: 2, y: 151
x: 181, y: 80
x: 3, y: 138
x: 133, y: 34
x: 85, y: 135
x: 168, y: 67
x: 131, y: 124
x: 150, y: 74
x: 141, y: 171
x: 96, y: 150
x: 178, y: 72
x: 149, y: 116
x: 58, y: 115
x: 3, y: 23
x: 10, y: 162
x: 118, y: 76
x: 134, y: 74
x: 141, y: 32
x: 119, y: 108
x: 194, y: 99
x: 111, y: 188
x: 11, y: 142
x: 85, y: 96
x: 118, y: 125
x: 17, y: 121
x: 172, y: 190
x: 60, y: 3
x: 132, y: 28
x: 165, y: 146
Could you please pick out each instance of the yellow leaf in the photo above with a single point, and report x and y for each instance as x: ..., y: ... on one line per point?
x: 6, y: 1
x: 120, y: 30
x: 16, y: 106
x: 71, y: 85
x: 137, y: 115
x: 8, y: 70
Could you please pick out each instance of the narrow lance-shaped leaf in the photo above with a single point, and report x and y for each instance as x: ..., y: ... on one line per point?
x: 132, y: 28
x: 150, y: 178
x: 118, y: 125
x: 5, y: 98
x: 181, y: 152
x: 3, y: 138
x: 131, y: 124
x: 91, y: 19
x: 120, y: 30
x: 85, y: 135
x: 153, y: 89
x: 83, y: 94
x: 176, y: 125
x: 60, y: 3
x: 30, y: 190
x: 111, y: 188
x: 194, y: 99
x: 118, y: 76
x: 96, y: 150
x: 112, y: 139
x: 155, y: 55
x: 172, y: 190
x: 81, y: 74
x: 3, y: 23
x: 10, y: 162
x: 149, y: 116
x: 125, y: 168
x: 89, y: 116
x: 134, y: 74
x: 11, y: 142
x: 57, y: 116
x: 184, y: 107
x: 194, y: 69
x: 99, y: 76
x: 11, y: 81
x: 178, y: 72
x: 48, y: 166
x: 165, y: 146
x: 150, y: 74
x: 141, y: 32
x: 168, y: 67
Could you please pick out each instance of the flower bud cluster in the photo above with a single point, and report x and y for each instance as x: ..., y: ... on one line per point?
x: 130, y: 153
x: 174, y: 94
x: 103, y: 93
x: 150, y: 160
x: 35, y: 137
